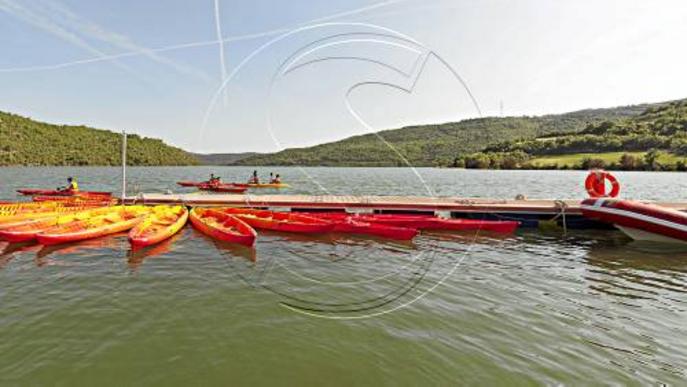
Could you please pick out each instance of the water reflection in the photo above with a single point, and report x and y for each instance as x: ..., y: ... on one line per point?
x: 236, y: 251
x: 47, y: 254
x: 9, y: 250
x: 136, y: 256
x: 636, y: 270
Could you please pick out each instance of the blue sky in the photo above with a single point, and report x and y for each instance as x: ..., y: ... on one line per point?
x: 153, y: 67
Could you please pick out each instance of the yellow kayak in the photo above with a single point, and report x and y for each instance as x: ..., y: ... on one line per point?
x: 267, y: 185
x: 123, y: 218
x: 27, y: 229
x: 12, y: 208
x: 162, y: 223
x: 37, y: 213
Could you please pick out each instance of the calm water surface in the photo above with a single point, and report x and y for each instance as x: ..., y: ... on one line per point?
x: 537, y: 307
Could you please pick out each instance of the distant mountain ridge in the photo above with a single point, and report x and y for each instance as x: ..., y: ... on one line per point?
x: 222, y: 158
x: 441, y: 144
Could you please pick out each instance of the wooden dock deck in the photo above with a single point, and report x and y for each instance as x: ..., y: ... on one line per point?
x: 529, y: 212
x: 361, y: 203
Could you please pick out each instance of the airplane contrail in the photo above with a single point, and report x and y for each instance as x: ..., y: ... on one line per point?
x: 44, y: 23
x: 222, y: 65
x: 73, y: 28
x: 102, y: 57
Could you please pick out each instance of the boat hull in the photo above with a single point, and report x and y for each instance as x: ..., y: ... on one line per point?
x: 221, y: 226
x: 121, y: 220
x: 222, y: 188
x: 160, y: 225
x: 425, y: 222
x: 349, y: 226
x: 49, y: 192
x: 644, y: 236
x: 639, y: 220
x: 281, y: 221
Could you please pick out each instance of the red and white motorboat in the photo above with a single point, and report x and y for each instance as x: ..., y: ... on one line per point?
x: 640, y: 221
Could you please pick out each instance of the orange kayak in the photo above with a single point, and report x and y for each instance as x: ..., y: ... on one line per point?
x: 25, y: 206
x: 160, y: 224
x: 38, y: 213
x: 27, y: 229
x: 222, y: 226
x: 76, y: 200
x: 281, y: 221
x: 122, y: 219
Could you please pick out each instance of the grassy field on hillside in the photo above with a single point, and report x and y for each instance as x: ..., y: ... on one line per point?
x: 571, y: 160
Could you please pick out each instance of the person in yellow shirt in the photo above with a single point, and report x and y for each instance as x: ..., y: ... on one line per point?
x: 72, y: 185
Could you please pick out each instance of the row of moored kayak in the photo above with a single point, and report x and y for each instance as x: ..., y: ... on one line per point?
x: 58, y: 222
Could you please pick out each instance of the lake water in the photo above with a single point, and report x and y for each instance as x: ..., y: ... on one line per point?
x: 536, y: 307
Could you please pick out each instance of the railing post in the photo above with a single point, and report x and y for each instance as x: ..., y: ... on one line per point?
x: 123, y: 166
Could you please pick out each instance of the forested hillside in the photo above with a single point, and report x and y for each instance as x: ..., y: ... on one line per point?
x: 24, y: 141
x: 655, y: 139
x: 441, y: 144
x: 492, y: 142
x: 661, y: 127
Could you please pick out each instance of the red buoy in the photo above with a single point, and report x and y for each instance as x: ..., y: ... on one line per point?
x: 596, y: 184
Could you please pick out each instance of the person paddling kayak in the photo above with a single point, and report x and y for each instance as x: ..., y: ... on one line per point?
x: 72, y: 185
x: 214, y: 180
x: 254, y: 179
x: 276, y: 180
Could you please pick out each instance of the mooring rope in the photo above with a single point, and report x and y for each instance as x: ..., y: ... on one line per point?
x: 561, y: 205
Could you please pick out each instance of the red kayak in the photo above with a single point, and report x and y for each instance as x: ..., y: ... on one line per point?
x: 281, y: 221
x: 222, y: 226
x: 78, y: 200
x: 424, y: 222
x: 50, y: 192
x: 221, y: 188
x: 206, y: 186
x: 351, y: 226
x: 191, y: 183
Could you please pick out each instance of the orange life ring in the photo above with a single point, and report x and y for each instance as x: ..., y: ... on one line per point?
x: 596, y: 184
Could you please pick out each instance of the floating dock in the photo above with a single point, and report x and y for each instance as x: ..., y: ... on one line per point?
x: 531, y: 212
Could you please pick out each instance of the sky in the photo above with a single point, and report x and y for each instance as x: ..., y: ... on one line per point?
x: 238, y: 76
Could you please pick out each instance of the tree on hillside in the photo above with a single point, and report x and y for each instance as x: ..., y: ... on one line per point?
x: 651, y: 159
x: 590, y: 163
x: 629, y: 162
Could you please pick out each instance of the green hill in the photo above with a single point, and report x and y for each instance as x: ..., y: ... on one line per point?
x: 654, y: 139
x: 24, y: 141
x: 442, y: 144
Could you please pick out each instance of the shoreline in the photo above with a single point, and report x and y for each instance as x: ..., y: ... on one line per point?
x: 340, y: 166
